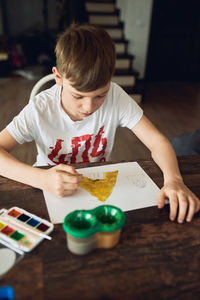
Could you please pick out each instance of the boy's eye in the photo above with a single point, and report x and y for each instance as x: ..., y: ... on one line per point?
x: 102, y: 96
x: 77, y: 97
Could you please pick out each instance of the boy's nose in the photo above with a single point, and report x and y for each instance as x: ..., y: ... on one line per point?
x: 88, y: 105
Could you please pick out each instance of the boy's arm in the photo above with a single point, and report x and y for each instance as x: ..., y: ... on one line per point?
x: 61, y: 180
x: 181, y: 199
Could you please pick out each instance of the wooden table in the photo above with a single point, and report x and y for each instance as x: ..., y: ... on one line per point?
x: 155, y: 258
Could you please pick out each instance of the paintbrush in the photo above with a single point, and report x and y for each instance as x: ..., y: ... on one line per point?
x: 95, y: 175
x: 26, y: 228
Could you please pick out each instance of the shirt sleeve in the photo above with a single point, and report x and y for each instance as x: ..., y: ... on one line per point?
x: 129, y: 111
x: 21, y: 127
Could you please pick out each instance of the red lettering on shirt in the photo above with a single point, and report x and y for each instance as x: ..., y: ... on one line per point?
x: 55, y: 151
x: 98, y: 140
x: 82, y: 142
x: 76, y: 145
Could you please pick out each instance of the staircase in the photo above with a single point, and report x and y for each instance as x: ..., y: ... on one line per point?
x: 104, y: 13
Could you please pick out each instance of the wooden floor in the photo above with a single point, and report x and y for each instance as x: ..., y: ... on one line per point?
x: 173, y: 107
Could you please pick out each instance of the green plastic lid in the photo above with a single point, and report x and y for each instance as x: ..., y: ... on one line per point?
x: 85, y: 223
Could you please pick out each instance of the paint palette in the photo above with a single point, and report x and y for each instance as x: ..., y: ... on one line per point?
x: 20, y: 232
x: 22, y: 229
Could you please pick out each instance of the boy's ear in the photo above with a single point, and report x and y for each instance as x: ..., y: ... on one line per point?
x: 58, y: 77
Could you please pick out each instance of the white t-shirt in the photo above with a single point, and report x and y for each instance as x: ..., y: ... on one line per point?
x: 61, y: 140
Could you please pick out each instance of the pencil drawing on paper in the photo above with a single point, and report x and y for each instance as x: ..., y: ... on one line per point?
x: 138, y: 180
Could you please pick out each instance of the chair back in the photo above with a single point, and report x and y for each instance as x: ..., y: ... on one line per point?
x: 38, y: 86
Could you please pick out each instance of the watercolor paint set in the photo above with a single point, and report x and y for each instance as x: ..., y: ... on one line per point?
x: 20, y: 232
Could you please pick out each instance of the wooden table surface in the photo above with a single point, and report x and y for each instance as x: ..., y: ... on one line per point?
x: 155, y: 258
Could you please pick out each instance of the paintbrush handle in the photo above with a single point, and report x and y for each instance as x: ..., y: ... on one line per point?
x: 34, y: 231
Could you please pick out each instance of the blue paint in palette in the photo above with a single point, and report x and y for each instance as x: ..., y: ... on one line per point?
x: 28, y: 220
x: 33, y: 222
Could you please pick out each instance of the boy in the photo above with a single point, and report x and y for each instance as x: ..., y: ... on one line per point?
x: 75, y: 121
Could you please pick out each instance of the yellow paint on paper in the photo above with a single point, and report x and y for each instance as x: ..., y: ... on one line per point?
x: 100, y: 188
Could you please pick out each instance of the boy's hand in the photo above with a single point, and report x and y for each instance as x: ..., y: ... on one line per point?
x: 62, y: 180
x: 182, y: 201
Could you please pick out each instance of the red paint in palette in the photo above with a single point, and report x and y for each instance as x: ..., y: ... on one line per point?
x: 8, y: 230
x: 14, y: 213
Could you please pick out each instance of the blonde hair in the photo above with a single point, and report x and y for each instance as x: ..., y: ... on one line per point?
x: 85, y: 55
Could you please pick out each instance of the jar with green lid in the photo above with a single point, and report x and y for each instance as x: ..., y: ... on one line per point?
x: 96, y: 228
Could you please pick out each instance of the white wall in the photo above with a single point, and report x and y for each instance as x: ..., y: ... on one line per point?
x: 136, y: 15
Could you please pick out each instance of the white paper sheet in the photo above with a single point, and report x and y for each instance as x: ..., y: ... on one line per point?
x: 134, y: 189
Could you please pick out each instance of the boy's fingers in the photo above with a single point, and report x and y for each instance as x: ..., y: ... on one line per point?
x: 183, y: 205
x: 69, y: 173
x: 66, y: 192
x: 161, y: 199
x: 173, y: 207
x: 66, y: 188
x: 194, y: 206
x: 67, y: 168
x: 70, y: 187
x: 198, y: 206
x: 71, y: 178
x: 191, y: 210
